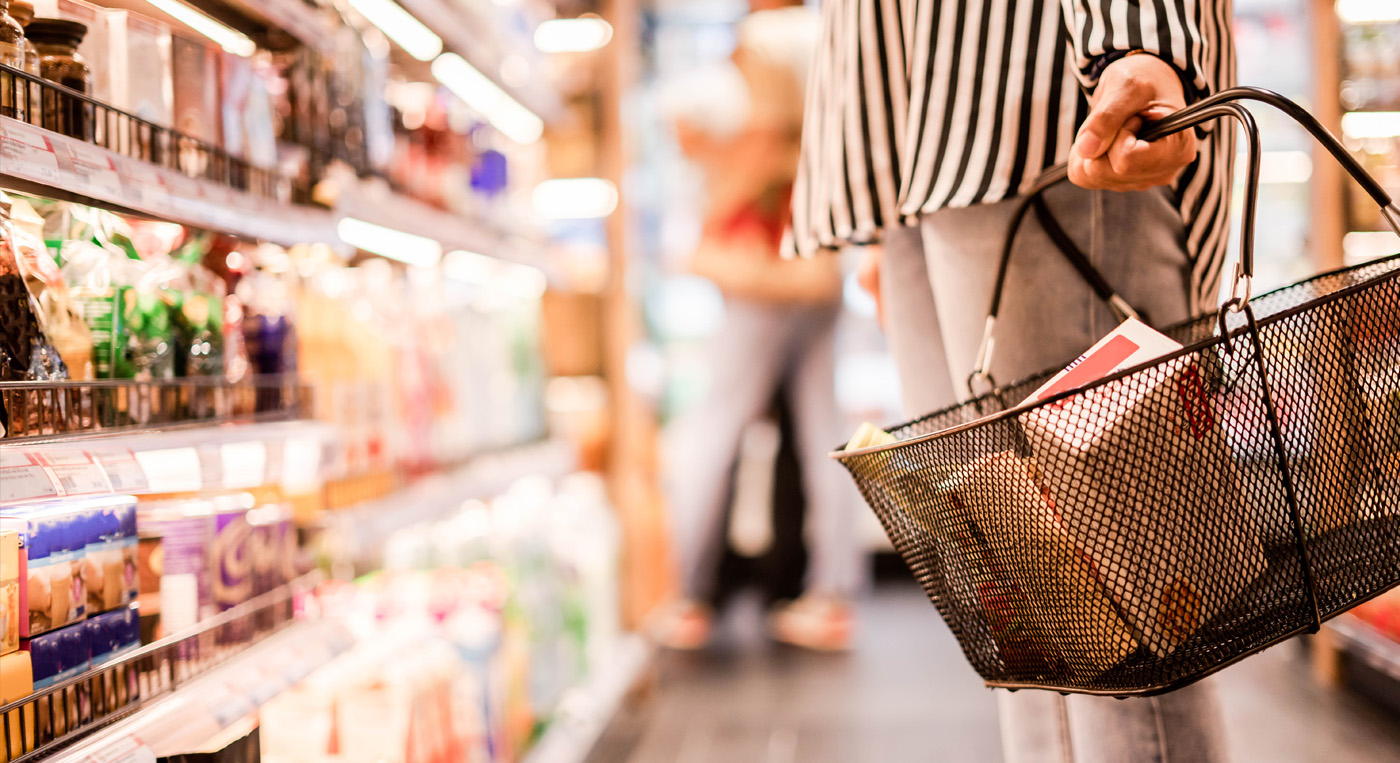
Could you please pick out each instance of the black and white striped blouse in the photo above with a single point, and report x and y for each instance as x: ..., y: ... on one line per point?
x: 918, y: 105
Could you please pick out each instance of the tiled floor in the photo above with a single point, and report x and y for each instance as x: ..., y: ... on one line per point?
x: 906, y: 695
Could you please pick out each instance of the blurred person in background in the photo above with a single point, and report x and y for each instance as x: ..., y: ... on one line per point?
x: 780, y: 319
x: 939, y: 114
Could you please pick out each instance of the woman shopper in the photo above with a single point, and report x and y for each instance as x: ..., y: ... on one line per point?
x: 938, y: 113
x: 779, y: 330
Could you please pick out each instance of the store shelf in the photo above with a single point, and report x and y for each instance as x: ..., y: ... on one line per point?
x: 360, y: 532
x: 201, y: 680
x: 585, y: 711
x: 54, y: 410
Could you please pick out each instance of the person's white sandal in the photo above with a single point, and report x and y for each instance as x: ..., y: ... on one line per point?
x: 821, y: 623
x: 683, y: 625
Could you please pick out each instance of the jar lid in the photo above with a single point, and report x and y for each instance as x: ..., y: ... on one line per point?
x: 56, y: 32
x: 22, y: 11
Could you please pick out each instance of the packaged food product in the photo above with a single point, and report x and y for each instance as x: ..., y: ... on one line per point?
x: 53, y: 539
x: 195, y: 84
x: 109, y: 567
x: 231, y: 559
x: 112, y: 635
x: 16, y: 683
x: 26, y: 354
x: 56, y: 657
x: 94, y: 45
x: 138, y: 66
x: 9, y: 592
x: 59, y: 316
x: 23, y: 12
x: 174, y: 538
x: 1190, y: 557
x: 57, y: 41
x: 125, y: 309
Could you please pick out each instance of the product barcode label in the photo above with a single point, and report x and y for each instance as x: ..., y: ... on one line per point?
x: 123, y: 471
x: 93, y: 172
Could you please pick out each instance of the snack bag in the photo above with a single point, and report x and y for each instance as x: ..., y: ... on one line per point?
x: 1173, y: 556
x: 59, y: 316
x: 26, y: 354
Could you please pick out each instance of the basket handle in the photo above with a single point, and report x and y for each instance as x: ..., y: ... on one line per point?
x: 1222, y: 104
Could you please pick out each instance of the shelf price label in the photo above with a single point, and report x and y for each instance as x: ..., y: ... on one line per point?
x: 244, y: 464
x: 123, y: 470
x: 144, y: 184
x: 25, y: 151
x: 172, y: 470
x: 27, y: 482
x: 94, y: 172
x: 128, y: 749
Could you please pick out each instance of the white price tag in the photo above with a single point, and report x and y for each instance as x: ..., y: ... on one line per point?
x: 25, y: 151
x: 173, y: 470
x: 301, y: 465
x: 211, y: 465
x: 143, y: 182
x: 128, y: 749
x: 93, y: 171
x: 64, y: 458
x: 245, y: 464
x: 81, y: 479
x: 123, y: 470
x: 26, y: 483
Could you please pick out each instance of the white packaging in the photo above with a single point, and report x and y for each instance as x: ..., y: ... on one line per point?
x: 1125, y: 465
x: 139, y: 64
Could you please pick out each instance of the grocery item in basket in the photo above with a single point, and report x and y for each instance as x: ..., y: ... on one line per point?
x: 1173, y: 545
x: 1042, y: 600
x: 109, y: 563
x: 867, y: 435
x: 9, y: 592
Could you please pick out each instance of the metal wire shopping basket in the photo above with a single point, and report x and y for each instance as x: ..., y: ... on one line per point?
x: 1141, y: 532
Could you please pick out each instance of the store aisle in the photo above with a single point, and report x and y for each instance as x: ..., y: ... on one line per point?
x: 905, y: 694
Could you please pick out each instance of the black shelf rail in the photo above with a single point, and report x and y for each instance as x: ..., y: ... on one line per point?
x: 41, y: 103
x: 58, y: 716
x: 52, y: 410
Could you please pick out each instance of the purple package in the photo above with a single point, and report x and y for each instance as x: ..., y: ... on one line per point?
x: 231, y: 561
x: 55, y: 537
x: 112, y: 635
x: 58, y: 656
x: 173, y: 562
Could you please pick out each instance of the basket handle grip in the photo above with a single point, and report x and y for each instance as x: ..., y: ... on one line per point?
x: 1221, y: 104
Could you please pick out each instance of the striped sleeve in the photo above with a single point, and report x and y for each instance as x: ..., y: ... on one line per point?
x: 846, y: 188
x: 1183, y: 33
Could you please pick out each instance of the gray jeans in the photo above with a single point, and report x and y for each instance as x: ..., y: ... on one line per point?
x: 937, y: 292
x: 759, y: 346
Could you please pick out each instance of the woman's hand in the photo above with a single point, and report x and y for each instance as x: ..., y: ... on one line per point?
x: 1107, y: 154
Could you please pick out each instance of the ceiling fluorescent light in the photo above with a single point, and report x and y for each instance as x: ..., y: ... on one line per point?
x: 575, y: 198
x: 1368, y: 11
x: 572, y: 35
x: 231, y: 40
x: 512, y: 278
x: 488, y: 99
x: 1371, y: 124
x: 387, y: 242
x: 400, y: 26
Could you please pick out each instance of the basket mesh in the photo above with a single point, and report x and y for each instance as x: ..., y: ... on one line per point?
x: 1138, y: 534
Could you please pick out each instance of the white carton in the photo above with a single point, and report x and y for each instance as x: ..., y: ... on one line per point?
x: 1124, y: 464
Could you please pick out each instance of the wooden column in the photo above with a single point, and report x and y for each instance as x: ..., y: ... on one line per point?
x: 1328, y: 179
x: 631, y: 468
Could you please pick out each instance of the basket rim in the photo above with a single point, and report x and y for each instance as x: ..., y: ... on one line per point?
x: 1196, y: 347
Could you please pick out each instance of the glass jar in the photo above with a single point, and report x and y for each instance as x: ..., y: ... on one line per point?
x: 23, y: 12
x: 57, y: 41
x: 11, y: 54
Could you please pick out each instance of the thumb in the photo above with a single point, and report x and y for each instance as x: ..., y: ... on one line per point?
x: 1117, y: 103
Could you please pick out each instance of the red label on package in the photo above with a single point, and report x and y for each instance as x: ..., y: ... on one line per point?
x: 1095, y: 366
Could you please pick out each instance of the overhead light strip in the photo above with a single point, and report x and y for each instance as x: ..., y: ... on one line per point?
x: 229, y: 39
x: 407, y: 248
x: 488, y: 99
x: 572, y: 35
x: 575, y: 198
x: 1368, y: 11
x: 400, y: 26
